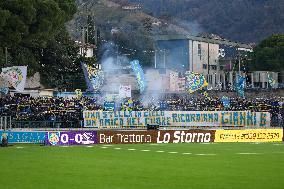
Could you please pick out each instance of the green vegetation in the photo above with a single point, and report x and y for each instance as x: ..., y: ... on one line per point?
x: 131, y: 31
x: 269, y: 54
x: 41, y: 167
x: 33, y: 33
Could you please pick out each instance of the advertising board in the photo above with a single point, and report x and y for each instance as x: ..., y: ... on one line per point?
x: 24, y: 136
x: 71, y: 138
x: 137, y: 137
x: 249, y: 135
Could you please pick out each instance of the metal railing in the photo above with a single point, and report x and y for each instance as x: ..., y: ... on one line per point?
x: 5, y: 122
x: 44, y: 124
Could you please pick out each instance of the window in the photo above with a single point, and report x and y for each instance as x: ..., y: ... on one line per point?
x: 204, y: 66
x: 213, y: 67
x: 210, y: 79
x: 199, y: 50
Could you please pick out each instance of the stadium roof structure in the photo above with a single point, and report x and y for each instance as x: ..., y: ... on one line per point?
x: 202, y: 39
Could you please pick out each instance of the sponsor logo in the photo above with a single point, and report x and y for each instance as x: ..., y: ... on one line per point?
x: 71, y: 138
x: 53, y: 138
x: 249, y: 135
x: 185, y: 136
x: 126, y: 137
x: 136, y: 137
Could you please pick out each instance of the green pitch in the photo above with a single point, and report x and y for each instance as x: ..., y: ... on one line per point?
x: 164, y: 166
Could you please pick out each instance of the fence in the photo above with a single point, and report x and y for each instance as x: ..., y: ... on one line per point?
x: 5, y: 122
x: 44, y: 124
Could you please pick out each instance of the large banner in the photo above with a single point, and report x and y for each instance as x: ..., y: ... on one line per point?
x: 117, y: 119
x: 16, y: 76
x: 24, y: 137
x: 71, y: 138
x: 249, y: 135
x: 139, y: 137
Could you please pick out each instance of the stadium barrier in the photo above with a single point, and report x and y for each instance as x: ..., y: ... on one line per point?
x: 24, y: 136
x: 128, y: 137
x: 71, y: 138
x: 249, y: 135
x: 139, y: 137
x: 44, y: 124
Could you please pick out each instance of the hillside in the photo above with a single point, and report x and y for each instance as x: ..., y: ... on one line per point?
x: 239, y: 20
x: 130, y: 30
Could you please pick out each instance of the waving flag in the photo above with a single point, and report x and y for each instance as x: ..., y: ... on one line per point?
x: 124, y: 91
x: 94, y: 77
x: 194, y: 81
x: 226, y: 101
x: 16, y: 76
x: 206, y: 95
x: 271, y: 81
x: 240, y: 86
x: 137, y: 69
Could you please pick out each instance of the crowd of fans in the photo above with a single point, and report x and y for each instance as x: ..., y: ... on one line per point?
x: 70, y: 110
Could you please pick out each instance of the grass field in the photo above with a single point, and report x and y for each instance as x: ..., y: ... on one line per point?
x: 215, y: 165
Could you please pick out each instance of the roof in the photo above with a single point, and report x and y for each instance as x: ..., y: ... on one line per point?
x: 202, y: 39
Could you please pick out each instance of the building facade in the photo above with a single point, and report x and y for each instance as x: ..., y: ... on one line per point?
x: 218, y: 60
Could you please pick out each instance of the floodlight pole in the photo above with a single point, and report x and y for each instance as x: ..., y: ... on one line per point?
x: 6, y: 56
x: 239, y: 64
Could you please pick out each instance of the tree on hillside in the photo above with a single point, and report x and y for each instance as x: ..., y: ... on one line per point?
x: 147, y: 23
x: 269, y: 54
x: 26, y: 27
x: 60, y: 66
x: 91, y: 31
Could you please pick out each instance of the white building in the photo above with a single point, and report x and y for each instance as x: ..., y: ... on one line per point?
x: 86, y: 50
x: 211, y: 57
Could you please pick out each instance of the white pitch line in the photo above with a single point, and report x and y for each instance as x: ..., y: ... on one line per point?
x: 186, y: 153
x: 131, y: 149
x: 89, y: 146
x: 64, y: 146
x: 277, y: 144
x: 248, y: 153
x: 107, y: 145
x: 145, y: 150
x: 205, y: 154
x: 117, y: 148
x: 19, y: 147
x: 104, y: 147
x: 160, y: 151
x: 172, y: 152
x: 154, y: 144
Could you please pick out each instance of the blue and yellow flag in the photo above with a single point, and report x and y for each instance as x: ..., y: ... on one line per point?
x: 226, y: 101
x: 240, y: 86
x: 194, y: 81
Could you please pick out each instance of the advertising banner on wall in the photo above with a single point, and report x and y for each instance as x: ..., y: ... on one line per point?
x: 71, y: 138
x: 139, y: 137
x: 105, y: 119
x: 24, y: 136
x: 249, y: 135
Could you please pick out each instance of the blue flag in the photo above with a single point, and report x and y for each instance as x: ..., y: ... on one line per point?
x: 240, y: 86
x: 109, y: 106
x: 226, y: 101
x: 138, y: 71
